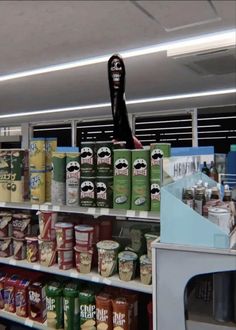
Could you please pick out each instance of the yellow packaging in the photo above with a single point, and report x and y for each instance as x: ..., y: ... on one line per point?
x: 37, y: 154
x: 50, y: 147
x: 37, y: 186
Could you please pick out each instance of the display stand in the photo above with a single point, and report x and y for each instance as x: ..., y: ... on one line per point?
x: 175, y: 265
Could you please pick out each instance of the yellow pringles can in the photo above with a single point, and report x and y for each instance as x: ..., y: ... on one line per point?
x: 17, y: 175
x: 50, y: 147
x: 37, y: 186
x: 5, y: 175
x: 37, y: 154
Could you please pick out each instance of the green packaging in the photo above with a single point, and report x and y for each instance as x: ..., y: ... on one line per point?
x: 104, y: 158
x: 155, y: 190
x: 58, y: 189
x: 138, y: 241
x: 87, y: 310
x: 88, y: 159
x: 72, y: 179
x: 122, y: 179
x: 104, y: 191
x: 157, y: 152
x: 54, y: 301
x: 87, y: 192
x: 140, y: 180
x: 5, y: 175
x: 71, y: 306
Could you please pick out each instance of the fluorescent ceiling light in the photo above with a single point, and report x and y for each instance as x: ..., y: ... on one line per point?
x: 217, y: 118
x: 163, y: 121
x: 52, y: 129
x: 208, y: 42
x: 212, y: 138
x: 131, y: 102
x: 207, y: 39
x: 94, y: 126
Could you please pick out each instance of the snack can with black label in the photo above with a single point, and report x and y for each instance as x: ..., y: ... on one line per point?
x: 88, y: 159
x: 87, y: 192
x: 104, y: 191
x: 122, y: 179
x: 140, y: 180
x: 104, y: 158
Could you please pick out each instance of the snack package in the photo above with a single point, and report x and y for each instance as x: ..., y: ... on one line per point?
x: 22, y: 298
x: 37, y: 302
x: 87, y: 310
x: 3, y: 277
x: 120, y: 314
x: 54, y: 302
x: 10, y: 292
x: 104, y: 311
x: 71, y: 306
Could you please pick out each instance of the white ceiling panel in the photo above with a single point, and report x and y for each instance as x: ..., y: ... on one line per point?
x: 173, y: 15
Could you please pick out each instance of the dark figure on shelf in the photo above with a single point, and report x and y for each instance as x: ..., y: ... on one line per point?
x: 122, y: 129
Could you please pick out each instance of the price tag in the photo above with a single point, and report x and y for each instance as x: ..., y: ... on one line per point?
x: 130, y: 213
x: 2, y: 204
x: 74, y: 274
x: 105, y: 211
x: 91, y: 210
x: 95, y: 279
x: 35, y: 207
x: 143, y: 214
x: 106, y: 281
x: 29, y: 323
x: 12, y: 262
x: 56, y: 208
x: 36, y: 267
x: 44, y: 207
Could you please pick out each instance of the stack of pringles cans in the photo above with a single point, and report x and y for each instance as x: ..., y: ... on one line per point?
x: 14, y: 177
x: 40, y: 164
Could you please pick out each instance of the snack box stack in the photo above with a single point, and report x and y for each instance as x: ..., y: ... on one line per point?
x: 47, y: 238
x: 14, y: 231
x: 65, y: 244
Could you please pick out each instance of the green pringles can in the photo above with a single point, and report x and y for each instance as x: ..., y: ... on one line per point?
x: 54, y: 301
x: 155, y: 191
x: 87, y: 192
x: 87, y: 309
x: 104, y: 158
x: 5, y: 175
x: 104, y: 191
x: 71, y: 306
x: 58, y: 192
x: 140, y: 180
x: 72, y: 178
x: 157, y: 152
x: 122, y: 179
x: 88, y: 159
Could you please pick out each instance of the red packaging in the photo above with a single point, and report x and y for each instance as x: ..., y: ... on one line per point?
x: 5, y: 224
x: 2, y: 281
x: 47, y: 252
x: 19, y: 249
x: 64, y: 235
x: 37, y: 302
x: 32, y: 249
x: 105, y: 229
x: 65, y: 258
x: 21, y: 225
x: 6, y: 248
x: 9, y: 293
x: 132, y: 299
x: 120, y: 313
x: 22, y: 298
x: 84, y: 237
x: 47, y: 221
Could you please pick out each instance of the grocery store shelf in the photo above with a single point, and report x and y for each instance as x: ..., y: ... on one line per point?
x: 95, y: 211
x: 176, y: 265
x: 21, y: 320
x: 93, y: 276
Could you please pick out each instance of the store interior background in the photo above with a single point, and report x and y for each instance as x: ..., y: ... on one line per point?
x: 41, y: 34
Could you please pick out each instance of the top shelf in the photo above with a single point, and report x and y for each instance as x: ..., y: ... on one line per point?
x: 94, y: 211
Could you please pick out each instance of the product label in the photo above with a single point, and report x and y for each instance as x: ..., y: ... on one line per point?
x: 156, y: 156
x: 118, y: 319
x: 140, y: 167
x: 35, y: 181
x: 34, y: 296
x: 121, y: 167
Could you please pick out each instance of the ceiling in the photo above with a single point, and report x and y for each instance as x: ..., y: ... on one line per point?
x: 35, y: 34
